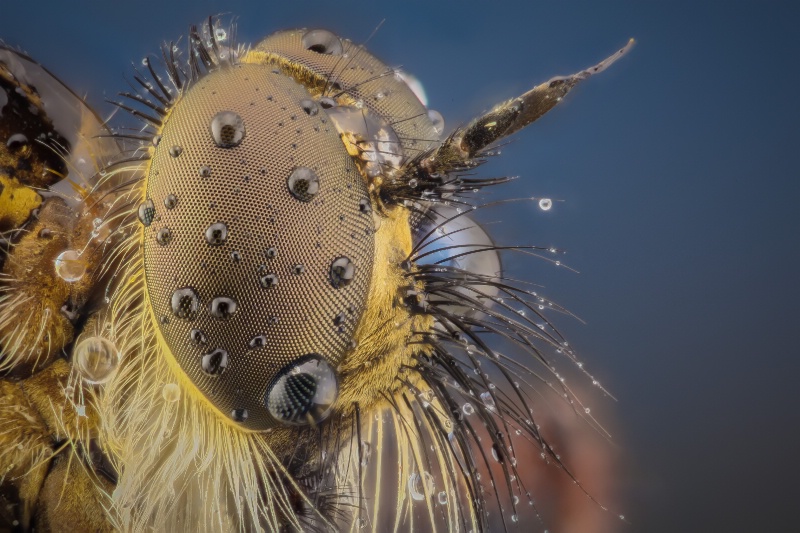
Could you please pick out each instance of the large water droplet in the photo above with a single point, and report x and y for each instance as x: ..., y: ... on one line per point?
x: 217, y: 234
x: 437, y: 120
x: 271, y: 252
x: 342, y: 272
x: 304, y: 392
x: 214, y: 362
x: 322, y: 42
x: 227, y: 129
x: 488, y: 401
x: 164, y: 236
x: 70, y: 266
x: 303, y: 184
x: 147, y: 211
x: 185, y: 303
x: 204, y: 171
x: 96, y: 359
x: 222, y: 307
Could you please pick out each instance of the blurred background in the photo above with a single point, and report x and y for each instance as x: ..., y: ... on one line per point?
x: 679, y: 179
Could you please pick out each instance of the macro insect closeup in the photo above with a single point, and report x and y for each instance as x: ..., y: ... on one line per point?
x: 262, y: 300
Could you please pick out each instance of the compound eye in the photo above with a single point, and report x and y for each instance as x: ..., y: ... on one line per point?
x: 304, y: 392
x: 322, y: 42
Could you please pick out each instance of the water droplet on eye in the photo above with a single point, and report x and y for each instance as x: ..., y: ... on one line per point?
x: 545, y: 204
x: 16, y: 141
x: 298, y: 269
x: 268, y: 281
x: 437, y: 120
x: 222, y: 307
x: 271, y: 252
x: 338, y: 320
x: 239, y: 415
x: 303, y: 184
x: 170, y: 201
x: 322, y: 42
x: 214, y: 362
x: 164, y: 236
x: 413, y: 183
x: 184, y: 303
x: 96, y: 359
x: 204, y: 171
x: 468, y: 409
x: 227, y: 129
x: 442, y: 498
x: 342, y: 272
x: 327, y: 102
x: 236, y: 257
x: 147, y: 211
x: 156, y: 140
x: 364, y: 205
x: 309, y: 106
x: 303, y: 392
x: 171, y: 392
x: 488, y: 401
x: 259, y: 341
x: 217, y: 234
x: 198, y: 337
x: 69, y: 266
x: 175, y: 151
x: 220, y: 35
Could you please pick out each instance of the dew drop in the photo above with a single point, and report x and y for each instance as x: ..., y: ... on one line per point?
x: 342, y: 272
x: 184, y: 303
x: 268, y: 281
x: 437, y: 120
x: 217, y: 234
x: 204, y: 171
x: 309, y: 106
x: 322, y: 42
x: 156, y: 140
x: 222, y: 307
x: 271, y: 252
x: 164, y: 236
x: 239, y: 415
x: 468, y: 409
x: 365, y: 206
x: 16, y: 141
x: 545, y: 204
x: 259, y: 341
x: 214, y: 362
x: 171, y: 392
x: 488, y: 401
x: 236, y: 257
x: 327, y: 102
x: 147, y: 211
x: 170, y: 201
x: 198, y: 337
x: 303, y: 184
x: 70, y: 266
x: 175, y: 151
x: 96, y: 359
x: 227, y: 129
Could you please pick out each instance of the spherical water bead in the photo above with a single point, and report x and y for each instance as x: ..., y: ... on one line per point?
x: 303, y: 184
x: 171, y: 392
x: 342, y: 272
x: 70, y: 266
x: 442, y: 498
x: 239, y: 415
x: 271, y: 252
x: 298, y: 269
x: 214, y: 362
x: 415, y: 487
x: 185, y: 303
x: 365, y: 206
x: 488, y: 401
x: 227, y: 129
x: 545, y: 204
x: 437, y: 120
x: 309, y: 106
x: 259, y: 341
x: 217, y: 234
x: 198, y: 337
x: 268, y: 281
x: 204, y: 171
x: 303, y: 392
x: 468, y: 409
x: 222, y: 307
x: 170, y: 201
x: 164, y: 236
x: 147, y: 212
x: 322, y: 42
x: 175, y: 151
x: 96, y: 359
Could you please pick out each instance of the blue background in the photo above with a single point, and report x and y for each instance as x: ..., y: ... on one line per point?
x: 681, y: 188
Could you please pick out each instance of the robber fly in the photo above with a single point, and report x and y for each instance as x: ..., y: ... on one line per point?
x: 262, y: 301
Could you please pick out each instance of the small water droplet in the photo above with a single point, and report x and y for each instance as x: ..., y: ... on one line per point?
x: 16, y: 141
x: 298, y: 269
x: 327, y: 102
x: 342, y: 272
x: 309, y: 106
x: 171, y: 392
x: 227, y: 129
x: 184, y: 303
x: 198, y: 337
x: 488, y: 401
x: 217, y: 234
x: 96, y: 359
x: 259, y: 341
x: 236, y: 257
x: 156, y: 140
x: 204, y: 171
x: 214, y: 362
x: 365, y: 206
x: 222, y: 307
x: 442, y: 498
x: 164, y: 236
x: 239, y: 415
x: 175, y: 151
x: 268, y: 281
x: 220, y: 35
x: 147, y: 212
x: 468, y: 409
x: 69, y: 266
x: 545, y: 204
x: 303, y: 184
x: 271, y: 252
x: 170, y: 201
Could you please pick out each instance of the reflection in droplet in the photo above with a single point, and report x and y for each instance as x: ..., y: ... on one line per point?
x: 227, y: 129
x: 185, y: 303
x: 164, y: 236
x: 204, y: 171
x: 214, y: 362
x: 147, y: 211
x: 342, y: 272
x: 96, y: 359
x: 322, y: 42
x: 171, y: 392
x: 175, y: 151
x: 303, y: 184
x: 268, y: 281
x: 170, y: 201
x: 545, y: 204
x: 271, y: 252
x: 239, y: 415
x: 442, y: 498
x: 222, y: 307
x: 468, y: 409
x: 488, y: 401
x: 70, y: 266
x: 437, y: 120
x: 216, y: 234
x: 304, y: 392
x: 364, y: 205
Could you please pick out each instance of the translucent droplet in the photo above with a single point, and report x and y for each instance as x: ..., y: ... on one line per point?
x: 175, y: 151
x: 488, y: 401
x: 70, y: 266
x: 239, y: 415
x: 271, y: 252
x: 442, y: 498
x: 366, y: 452
x: 217, y: 234
x: 164, y: 236
x: 96, y: 359
x: 415, y: 487
x: 227, y: 129
x: 170, y: 201
x: 303, y: 392
x: 156, y: 140
x: 514, y: 518
x: 342, y: 272
x: 214, y: 362
x: 303, y: 184
x: 204, y: 171
x: 322, y: 42
x: 198, y: 337
x: 468, y: 409
x: 171, y: 392
x: 268, y: 281
x: 220, y: 35
x: 184, y: 303
x: 259, y: 341
x: 545, y: 204
x: 309, y: 106
x: 327, y: 102
x: 147, y: 211
x: 222, y: 307
x: 364, y: 205
x: 298, y: 269
x: 437, y: 120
